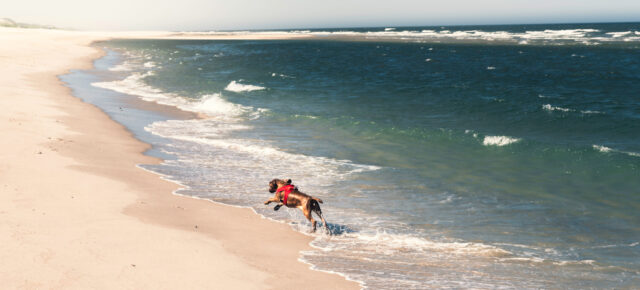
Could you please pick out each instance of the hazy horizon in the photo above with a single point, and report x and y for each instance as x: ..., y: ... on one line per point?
x: 198, y: 15
x: 346, y: 27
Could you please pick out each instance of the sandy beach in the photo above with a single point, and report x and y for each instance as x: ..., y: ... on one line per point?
x: 76, y: 212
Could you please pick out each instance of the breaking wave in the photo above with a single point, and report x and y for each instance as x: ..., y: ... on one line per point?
x: 499, y: 140
x: 550, y: 108
x: 548, y: 36
x: 212, y: 104
x: 605, y: 149
x: 238, y: 87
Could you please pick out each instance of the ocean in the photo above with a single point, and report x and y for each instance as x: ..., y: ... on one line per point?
x: 453, y: 157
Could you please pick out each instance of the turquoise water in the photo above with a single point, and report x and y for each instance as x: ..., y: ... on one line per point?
x: 485, y: 157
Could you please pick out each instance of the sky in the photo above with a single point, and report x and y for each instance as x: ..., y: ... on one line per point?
x: 197, y: 15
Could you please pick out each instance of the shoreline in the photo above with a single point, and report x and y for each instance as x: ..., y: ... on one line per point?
x: 128, y: 231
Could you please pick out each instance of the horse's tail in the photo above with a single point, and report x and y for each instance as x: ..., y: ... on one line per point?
x: 317, y: 199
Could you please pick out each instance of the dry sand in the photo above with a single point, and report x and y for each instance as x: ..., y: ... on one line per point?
x: 76, y: 213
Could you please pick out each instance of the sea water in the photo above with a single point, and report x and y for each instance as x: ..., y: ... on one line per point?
x: 482, y: 157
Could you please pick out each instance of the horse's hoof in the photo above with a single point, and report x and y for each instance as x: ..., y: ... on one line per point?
x: 277, y: 207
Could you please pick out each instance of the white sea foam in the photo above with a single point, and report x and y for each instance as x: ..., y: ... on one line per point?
x: 212, y: 105
x: 474, y: 134
x: 204, y: 132
x: 605, y: 149
x: 591, y: 112
x: 578, y: 262
x: 238, y: 87
x: 125, y: 66
x: 523, y: 259
x: 389, y: 244
x: 305, y: 116
x: 551, y: 108
x: 538, y: 260
x: 491, y: 67
x: 620, y: 34
x: 634, y: 154
x: 449, y: 199
x: 499, y: 140
x: 281, y: 75
x: 185, y: 129
x: 149, y: 64
x: 616, y: 245
x: 602, y: 148
x: 133, y: 85
x: 548, y: 36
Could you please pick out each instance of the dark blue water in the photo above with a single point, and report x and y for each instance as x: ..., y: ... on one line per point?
x: 447, y: 157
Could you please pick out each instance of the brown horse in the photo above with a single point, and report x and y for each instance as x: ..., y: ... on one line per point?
x: 295, y: 198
